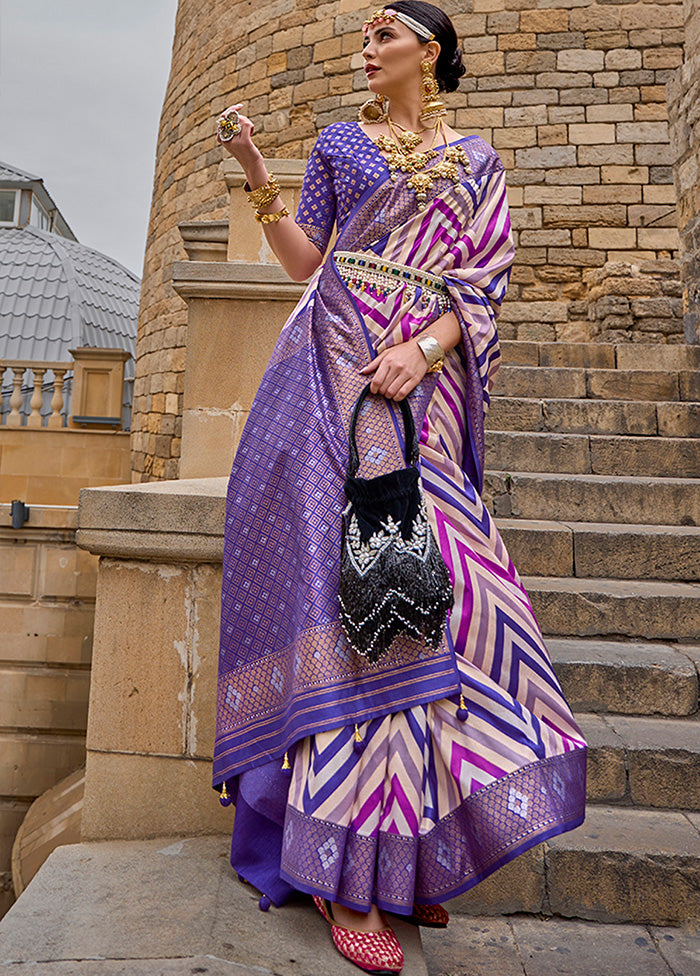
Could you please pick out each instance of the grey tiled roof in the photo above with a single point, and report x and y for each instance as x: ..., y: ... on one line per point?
x: 10, y: 174
x: 56, y: 294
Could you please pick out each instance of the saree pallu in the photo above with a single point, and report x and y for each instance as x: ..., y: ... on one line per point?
x: 471, y: 754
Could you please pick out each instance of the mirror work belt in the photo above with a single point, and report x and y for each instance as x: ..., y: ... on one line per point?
x: 381, y: 277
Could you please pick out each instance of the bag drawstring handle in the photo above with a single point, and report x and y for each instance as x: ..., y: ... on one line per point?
x: 411, y: 453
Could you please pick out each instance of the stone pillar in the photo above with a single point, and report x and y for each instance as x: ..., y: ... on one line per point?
x: 153, y: 686
x: 683, y: 92
x: 235, y: 310
x: 98, y: 387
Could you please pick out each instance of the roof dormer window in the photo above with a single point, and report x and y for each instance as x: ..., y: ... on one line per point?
x: 9, y: 207
x: 39, y: 218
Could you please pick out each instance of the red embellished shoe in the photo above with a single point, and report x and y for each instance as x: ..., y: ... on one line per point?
x: 431, y: 916
x: 378, y: 953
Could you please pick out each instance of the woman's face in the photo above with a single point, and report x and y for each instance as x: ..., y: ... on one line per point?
x: 393, y: 54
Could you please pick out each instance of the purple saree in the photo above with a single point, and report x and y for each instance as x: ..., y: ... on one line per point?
x: 471, y: 753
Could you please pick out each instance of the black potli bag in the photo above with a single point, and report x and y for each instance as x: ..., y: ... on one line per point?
x: 393, y: 579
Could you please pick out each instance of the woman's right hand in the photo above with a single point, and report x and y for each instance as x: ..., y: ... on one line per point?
x: 241, y: 146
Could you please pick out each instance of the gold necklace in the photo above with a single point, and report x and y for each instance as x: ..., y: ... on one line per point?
x: 401, y: 156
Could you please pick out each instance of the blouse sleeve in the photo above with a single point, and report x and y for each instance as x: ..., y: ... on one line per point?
x: 480, y: 273
x: 317, y: 210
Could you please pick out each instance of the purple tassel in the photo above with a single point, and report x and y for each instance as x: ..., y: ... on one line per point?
x: 264, y: 904
x: 224, y: 799
x: 359, y: 743
x: 287, y: 770
x: 462, y: 713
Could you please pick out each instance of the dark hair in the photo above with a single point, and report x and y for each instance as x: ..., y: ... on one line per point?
x: 449, y: 68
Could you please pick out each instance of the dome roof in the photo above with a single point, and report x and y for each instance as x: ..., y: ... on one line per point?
x: 57, y: 294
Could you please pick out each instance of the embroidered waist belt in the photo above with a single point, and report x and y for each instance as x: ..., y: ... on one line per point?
x: 380, y: 277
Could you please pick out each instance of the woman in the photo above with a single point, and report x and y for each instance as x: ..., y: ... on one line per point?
x: 395, y: 786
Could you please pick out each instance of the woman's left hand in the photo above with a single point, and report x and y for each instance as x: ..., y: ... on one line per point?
x: 397, y: 370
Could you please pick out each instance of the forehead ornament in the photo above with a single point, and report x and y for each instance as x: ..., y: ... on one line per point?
x: 385, y: 15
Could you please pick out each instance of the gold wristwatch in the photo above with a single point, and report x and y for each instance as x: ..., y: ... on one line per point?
x: 433, y: 352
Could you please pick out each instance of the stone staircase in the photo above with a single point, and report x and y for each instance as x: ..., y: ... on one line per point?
x: 593, y: 474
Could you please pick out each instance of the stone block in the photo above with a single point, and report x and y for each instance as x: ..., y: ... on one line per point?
x: 538, y: 548
x: 46, y: 634
x: 580, y: 59
x: 626, y: 866
x: 619, y: 59
x: 644, y: 609
x: 663, y: 760
x: 485, y: 944
x: 539, y: 21
x: 612, y: 237
x: 526, y: 451
x: 143, y: 659
x: 538, y: 382
x: 609, y: 113
x: 678, y: 419
x: 642, y: 132
x: 545, y: 158
x: 625, y: 677
x: 131, y: 796
x: 606, y: 776
x: 603, y: 416
x: 638, y: 552
x: 31, y: 763
x: 177, y: 900
x: 662, y: 238
x: 556, y: 947
x: 17, y: 561
x: 516, y: 887
x: 210, y: 437
x: 672, y: 457
x: 631, y: 384
x: 35, y: 698
x: 68, y: 573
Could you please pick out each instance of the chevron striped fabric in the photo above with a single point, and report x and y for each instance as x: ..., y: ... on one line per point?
x: 469, y: 754
x: 440, y: 797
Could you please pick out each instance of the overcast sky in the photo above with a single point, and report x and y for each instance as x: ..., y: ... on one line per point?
x: 81, y: 90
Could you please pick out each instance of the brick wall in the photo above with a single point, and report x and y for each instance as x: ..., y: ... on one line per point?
x: 572, y: 96
x: 683, y: 102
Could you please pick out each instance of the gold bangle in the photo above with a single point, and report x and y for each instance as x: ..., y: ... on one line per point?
x: 265, y: 194
x: 271, y: 218
x: 433, y: 352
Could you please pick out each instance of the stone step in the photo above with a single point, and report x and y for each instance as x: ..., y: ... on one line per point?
x: 592, y: 498
x: 607, y: 550
x: 647, y: 762
x: 571, y: 416
x: 171, y: 906
x: 625, y: 677
x: 602, y: 355
x: 598, y: 384
x: 522, y: 944
x: 667, y: 457
x: 645, y: 609
x: 622, y: 864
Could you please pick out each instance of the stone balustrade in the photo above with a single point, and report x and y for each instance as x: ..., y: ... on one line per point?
x: 28, y: 375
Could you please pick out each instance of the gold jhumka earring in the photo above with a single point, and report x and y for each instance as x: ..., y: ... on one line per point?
x: 433, y: 106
